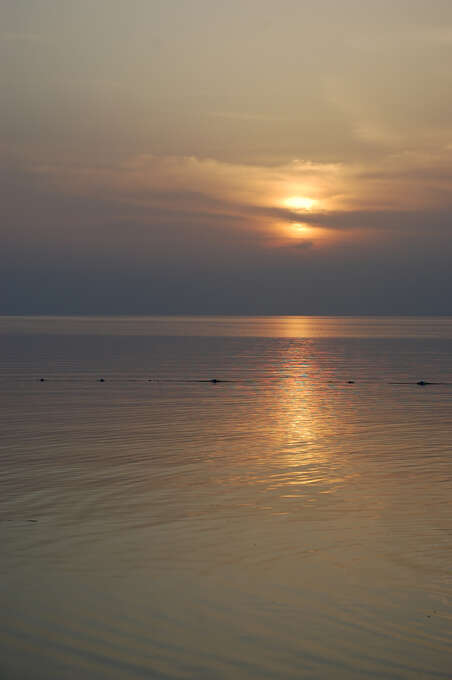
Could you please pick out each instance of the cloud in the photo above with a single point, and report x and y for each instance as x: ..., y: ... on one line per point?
x: 10, y: 37
x: 160, y: 235
x: 404, y: 192
x: 304, y: 244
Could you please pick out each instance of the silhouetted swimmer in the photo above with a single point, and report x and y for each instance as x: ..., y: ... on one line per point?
x: 101, y: 380
x: 41, y: 379
x: 423, y: 382
x: 351, y: 382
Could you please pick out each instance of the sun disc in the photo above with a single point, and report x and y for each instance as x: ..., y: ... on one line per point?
x: 300, y: 203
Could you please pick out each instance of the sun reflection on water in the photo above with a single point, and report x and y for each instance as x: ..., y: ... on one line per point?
x: 304, y: 428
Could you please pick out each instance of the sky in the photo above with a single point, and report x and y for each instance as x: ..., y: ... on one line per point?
x: 246, y: 157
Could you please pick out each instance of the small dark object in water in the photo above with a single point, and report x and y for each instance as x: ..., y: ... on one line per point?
x: 351, y: 382
x: 101, y: 380
x: 32, y: 520
x: 214, y: 380
x: 41, y: 379
x: 423, y: 382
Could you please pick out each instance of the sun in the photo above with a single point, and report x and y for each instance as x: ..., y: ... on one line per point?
x: 300, y: 203
x: 298, y: 230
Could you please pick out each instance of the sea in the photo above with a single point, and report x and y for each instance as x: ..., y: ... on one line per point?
x: 220, y: 498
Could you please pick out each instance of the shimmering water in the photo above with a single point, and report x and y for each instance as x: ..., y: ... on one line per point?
x: 284, y: 523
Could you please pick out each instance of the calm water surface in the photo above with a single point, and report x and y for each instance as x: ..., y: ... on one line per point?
x: 282, y: 524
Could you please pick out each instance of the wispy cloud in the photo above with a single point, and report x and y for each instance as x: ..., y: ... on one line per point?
x: 388, y: 195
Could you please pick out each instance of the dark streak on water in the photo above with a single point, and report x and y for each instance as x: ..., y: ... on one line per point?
x: 282, y: 523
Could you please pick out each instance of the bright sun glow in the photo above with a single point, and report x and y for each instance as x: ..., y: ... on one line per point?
x: 300, y: 203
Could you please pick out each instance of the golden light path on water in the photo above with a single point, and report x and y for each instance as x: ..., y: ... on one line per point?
x: 302, y: 429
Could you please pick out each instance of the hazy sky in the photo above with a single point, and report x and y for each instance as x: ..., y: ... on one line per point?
x: 257, y: 157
